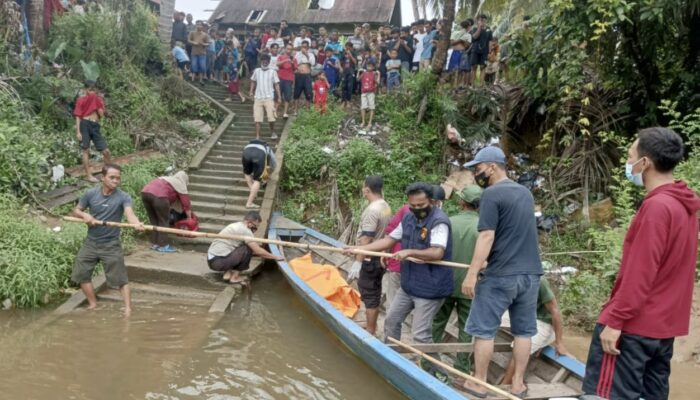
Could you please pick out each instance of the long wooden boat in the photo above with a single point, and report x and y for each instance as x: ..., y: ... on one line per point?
x: 548, y: 376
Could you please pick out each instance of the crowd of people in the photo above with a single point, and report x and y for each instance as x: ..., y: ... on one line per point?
x: 319, y: 64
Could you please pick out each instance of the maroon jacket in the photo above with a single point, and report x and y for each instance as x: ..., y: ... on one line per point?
x: 653, y: 291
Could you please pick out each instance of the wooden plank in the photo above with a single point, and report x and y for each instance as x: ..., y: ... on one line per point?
x: 544, y: 391
x: 223, y: 300
x: 78, y: 297
x: 560, y: 376
x: 448, y: 347
x: 62, y: 191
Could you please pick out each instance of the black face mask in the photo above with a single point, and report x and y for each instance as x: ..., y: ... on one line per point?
x: 420, y: 213
x: 481, y: 179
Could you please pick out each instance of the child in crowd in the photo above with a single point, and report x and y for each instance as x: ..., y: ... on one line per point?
x: 455, y: 61
x: 211, y: 54
x: 183, y: 61
x: 465, y: 67
x: 233, y: 81
x: 320, y: 55
x: 221, y: 47
x: 393, y: 71
x: 492, y: 62
x: 368, y: 86
x: 331, y: 68
x: 320, y: 89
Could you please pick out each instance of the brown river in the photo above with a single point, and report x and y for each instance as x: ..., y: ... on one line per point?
x: 270, y: 347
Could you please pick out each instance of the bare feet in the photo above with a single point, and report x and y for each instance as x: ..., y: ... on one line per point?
x: 127, y: 312
x: 227, y: 275
x: 92, y: 306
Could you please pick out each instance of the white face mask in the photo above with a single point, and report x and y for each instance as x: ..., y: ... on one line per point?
x: 636, y: 179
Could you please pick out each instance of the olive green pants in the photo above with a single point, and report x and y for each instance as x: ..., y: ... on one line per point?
x: 462, y: 306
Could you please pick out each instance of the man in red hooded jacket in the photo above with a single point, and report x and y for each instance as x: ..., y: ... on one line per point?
x: 650, y: 304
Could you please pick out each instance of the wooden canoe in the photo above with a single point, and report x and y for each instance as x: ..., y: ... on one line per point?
x: 548, y: 376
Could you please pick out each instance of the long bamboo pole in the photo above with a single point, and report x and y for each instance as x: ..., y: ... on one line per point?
x: 246, y: 239
x: 468, y: 377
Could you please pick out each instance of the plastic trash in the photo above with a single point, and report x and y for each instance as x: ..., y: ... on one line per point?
x: 57, y: 173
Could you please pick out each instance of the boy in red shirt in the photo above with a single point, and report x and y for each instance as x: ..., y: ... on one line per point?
x: 321, y: 89
x: 650, y: 304
x: 368, y: 87
x: 89, y: 109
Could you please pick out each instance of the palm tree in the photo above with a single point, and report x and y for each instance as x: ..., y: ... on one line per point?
x: 36, y: 21
x: 448, y: 15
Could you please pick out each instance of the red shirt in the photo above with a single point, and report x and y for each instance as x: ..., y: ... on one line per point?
x: 88, y: 104
x: 321, y: 57
x: 368, y: 81
x: 320, y: 91
x: 265, y: 38
x: 286, y: 70
x: 653, y: 292
x: 161, y: 188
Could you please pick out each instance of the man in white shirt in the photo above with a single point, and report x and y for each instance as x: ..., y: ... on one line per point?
x: 274, y: 39
x: 232, y: 256
x: 417, y: 46
x: 303, y: 37
x: 265, y: 84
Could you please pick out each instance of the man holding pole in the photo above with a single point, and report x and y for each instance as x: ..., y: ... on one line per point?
x: 425, y: 235
x: 231, y: 256
x: 369, y: 269
x: 105, y: 203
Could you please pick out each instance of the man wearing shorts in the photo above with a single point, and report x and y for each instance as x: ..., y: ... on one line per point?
x: 199, y: 40
x: 265, y: 84
x: 481, y: 38
x: 372, y: 224
x: 550, y: 327
x: 257, y: 155
x: 511, y: 279
x: 89, y: 109
x: 303, y: 61
x: 285, y: 71
x: 105, y: 203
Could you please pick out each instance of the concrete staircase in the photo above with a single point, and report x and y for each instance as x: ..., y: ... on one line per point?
x: 217, y: 189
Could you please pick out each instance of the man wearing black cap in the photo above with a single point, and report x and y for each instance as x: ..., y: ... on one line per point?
x: 511, y: 280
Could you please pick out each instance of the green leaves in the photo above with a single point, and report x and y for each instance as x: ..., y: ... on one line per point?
x: 91, y: 70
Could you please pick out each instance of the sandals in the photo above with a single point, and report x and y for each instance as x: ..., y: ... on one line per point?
x: 474, y: 393
x: 166, y: 249
x: 521, y: 395
x: 252, y: 207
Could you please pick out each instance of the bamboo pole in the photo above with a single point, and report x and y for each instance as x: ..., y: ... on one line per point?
x: 468, y: 377
x: 246, y: 239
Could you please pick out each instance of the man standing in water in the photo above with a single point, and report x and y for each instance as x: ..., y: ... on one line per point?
x: 105, y: 203
x: 372, y: 224
x: 651, y: 301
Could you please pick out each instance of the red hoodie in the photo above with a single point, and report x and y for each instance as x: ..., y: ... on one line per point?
x: 653, y: 291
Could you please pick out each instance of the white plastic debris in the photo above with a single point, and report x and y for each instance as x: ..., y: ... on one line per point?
x: 57, y: 229
x: 328, y: 150
x: 7, y: 304
x: 57, y: 173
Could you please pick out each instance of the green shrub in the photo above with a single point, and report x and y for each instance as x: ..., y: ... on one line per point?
x: 35, y: 262
x: 304, y: 163
x: 321, y: 128
x: 357, y: 160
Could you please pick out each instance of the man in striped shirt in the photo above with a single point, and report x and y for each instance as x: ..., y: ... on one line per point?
x: 265, y: 84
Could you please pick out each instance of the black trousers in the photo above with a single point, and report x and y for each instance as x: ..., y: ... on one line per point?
x: 640, y: 371
x: 158, y: 210
x: 238, y: 260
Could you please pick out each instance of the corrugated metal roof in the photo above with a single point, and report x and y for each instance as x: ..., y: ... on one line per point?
x: 297, y: 12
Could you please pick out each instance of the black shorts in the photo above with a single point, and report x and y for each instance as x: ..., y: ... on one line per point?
x: 478, y: 58
x: 286, y: 88
x: 91, y: 132
x: 302, y: 83
x: 640, y: 371
x: 183, y: 64
x: 370, y: 282
x: 253, y: 162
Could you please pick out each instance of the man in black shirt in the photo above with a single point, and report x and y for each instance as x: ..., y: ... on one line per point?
x: 179, y: 29
x: 285, y: 32
x: 481, y: 37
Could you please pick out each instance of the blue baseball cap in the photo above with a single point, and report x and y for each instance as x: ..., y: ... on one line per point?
x: 490, y: 154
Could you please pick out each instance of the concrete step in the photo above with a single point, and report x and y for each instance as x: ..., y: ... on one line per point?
x: 219, y: 218
x: 198, y: 177
x: 213, y: 227
x: 237, y: 151
x: 225, y: 173
x: 224, y: 209
x: 223, y: 166
x: 223, y: 189
x: 217, y: 197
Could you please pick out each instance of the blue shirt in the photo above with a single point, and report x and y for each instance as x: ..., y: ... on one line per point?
x: 508, y: 208
x: 427, y: 52
x: 329, y: 69
x: 180, y: 54
x: 336, y: 47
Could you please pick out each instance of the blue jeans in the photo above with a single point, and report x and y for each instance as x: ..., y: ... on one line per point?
x: 199, y: 64
x: 393, y: 79
x: 495, y: 295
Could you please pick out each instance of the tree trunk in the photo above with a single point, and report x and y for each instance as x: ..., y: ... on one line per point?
x: 36, y: 21
x: 416, y: 13
x: 445, y: 32
x: 474, y: 8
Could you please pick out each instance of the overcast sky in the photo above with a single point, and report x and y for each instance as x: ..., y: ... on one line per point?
x: 197, y: 7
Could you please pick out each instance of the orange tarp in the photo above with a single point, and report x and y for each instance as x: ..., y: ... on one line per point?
x: 327, y: 282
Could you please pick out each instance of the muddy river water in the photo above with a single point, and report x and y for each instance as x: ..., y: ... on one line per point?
x: 270, y: 347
